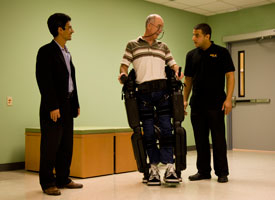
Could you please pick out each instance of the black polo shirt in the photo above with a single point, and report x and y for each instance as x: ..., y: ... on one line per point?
x: 207, y: 69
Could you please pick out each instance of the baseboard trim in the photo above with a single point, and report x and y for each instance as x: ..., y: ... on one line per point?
x: 191, y: 148
x: 12, y: 166
x: 21, y: 165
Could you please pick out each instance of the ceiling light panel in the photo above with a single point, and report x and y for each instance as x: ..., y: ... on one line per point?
x: 176, y: 5
x: 216, y: 6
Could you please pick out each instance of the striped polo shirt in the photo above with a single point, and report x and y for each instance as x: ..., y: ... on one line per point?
x: 148, y: 61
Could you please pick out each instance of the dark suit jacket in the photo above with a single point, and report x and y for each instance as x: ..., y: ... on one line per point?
x: 53, y: 77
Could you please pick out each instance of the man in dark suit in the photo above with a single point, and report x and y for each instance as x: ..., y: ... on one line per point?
x: 55, y: 76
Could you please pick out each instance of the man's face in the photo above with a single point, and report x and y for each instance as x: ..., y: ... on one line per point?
x: 156, y: 27
x: 200, y: 40
x: 67, y: 33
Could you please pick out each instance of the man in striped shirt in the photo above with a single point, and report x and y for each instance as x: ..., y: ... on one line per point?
x: 149, y: 58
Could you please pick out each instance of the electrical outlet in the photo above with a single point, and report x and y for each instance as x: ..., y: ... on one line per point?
x: 9, y: 101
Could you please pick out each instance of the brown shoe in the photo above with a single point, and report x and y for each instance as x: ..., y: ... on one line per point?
x: 52, y: 191
x: 199, y: 176
x: 73, y: 185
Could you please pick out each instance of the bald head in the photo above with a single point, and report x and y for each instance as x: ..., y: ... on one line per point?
x: 153, y: 27
x: 152, y: 18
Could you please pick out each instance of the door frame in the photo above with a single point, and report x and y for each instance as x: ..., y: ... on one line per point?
x: 228, y: 40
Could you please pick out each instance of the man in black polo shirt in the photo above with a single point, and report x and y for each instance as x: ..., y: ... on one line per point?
x: 205, y: 72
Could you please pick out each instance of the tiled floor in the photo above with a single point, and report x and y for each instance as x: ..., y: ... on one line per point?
x: 252, y: 176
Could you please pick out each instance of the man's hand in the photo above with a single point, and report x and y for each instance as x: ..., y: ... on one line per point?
x: 78, y: 112
x: 179, y: 77
x: 123, y: 70
x: 176, y: 69
x: 119, y: 77
x: 227, y: 106
x: 185, y: 107
x: 55, y: 114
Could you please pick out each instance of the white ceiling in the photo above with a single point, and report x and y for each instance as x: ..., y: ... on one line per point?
x: 212, y: 7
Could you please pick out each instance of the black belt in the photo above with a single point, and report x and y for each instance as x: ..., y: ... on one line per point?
x: 70, y: 95
x: 152, y: 86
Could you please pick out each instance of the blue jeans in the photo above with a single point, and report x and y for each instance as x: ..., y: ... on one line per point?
x: 147, y: 102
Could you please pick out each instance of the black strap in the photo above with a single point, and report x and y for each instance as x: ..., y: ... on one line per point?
x: 152, y: 86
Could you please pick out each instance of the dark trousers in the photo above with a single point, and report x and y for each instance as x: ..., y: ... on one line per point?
x: 56, y: 148
x: 204, y: 120
x: 146, y: 103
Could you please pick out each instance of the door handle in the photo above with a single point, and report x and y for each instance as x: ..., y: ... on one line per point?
x: 235, y: 101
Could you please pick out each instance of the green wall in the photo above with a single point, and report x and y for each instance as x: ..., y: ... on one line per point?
x: 102, y: 29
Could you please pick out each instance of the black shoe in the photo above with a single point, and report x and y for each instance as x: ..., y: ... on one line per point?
x: 199, y: 176
x: 222, y: 179
x: 144, y: 180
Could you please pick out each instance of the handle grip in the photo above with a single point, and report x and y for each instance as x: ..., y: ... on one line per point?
x: 123, y: 78
x: 179, y: 72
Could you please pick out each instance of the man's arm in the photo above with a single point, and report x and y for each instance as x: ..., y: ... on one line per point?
x: 230, y: 83
x: 186, y: 91
x: 46, y: 82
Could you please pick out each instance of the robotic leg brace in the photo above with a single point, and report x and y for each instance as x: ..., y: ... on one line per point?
x: 180, y: 149
x: 134, y: 122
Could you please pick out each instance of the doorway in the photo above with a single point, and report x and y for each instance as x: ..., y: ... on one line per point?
x: 253, y: 116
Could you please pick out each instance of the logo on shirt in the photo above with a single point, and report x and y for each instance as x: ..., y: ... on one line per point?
x: 213, y: 55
